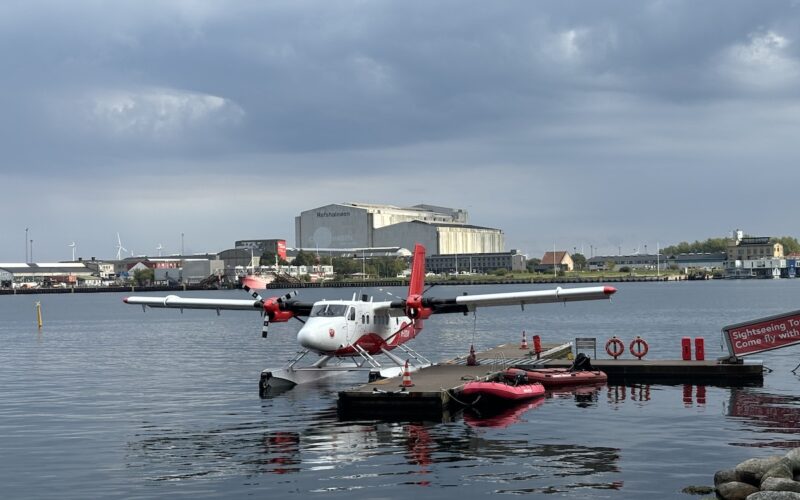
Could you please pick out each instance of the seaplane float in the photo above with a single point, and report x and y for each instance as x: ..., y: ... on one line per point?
x: 347, y: 335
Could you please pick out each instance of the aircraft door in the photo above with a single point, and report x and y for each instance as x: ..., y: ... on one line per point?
x: 350, y: 325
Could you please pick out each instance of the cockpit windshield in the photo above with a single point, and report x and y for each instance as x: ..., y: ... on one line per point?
x: 328, y: 310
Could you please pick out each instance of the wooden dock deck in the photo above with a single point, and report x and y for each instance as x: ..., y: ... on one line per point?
x: 436, y: 388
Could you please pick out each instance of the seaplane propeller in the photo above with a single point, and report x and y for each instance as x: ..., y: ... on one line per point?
x: 267, y: 311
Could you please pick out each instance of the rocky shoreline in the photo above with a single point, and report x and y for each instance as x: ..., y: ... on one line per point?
x: 771, y: 478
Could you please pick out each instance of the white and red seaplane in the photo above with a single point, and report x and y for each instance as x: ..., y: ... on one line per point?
x: 348, y: 334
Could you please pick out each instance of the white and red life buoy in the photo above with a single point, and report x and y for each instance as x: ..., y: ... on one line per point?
x: 639, y: 347
x: 615, y: 347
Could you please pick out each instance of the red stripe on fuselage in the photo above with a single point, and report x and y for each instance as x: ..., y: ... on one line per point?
x: 372, y: 342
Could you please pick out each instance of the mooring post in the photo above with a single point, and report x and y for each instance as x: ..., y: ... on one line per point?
x: 39, y: 314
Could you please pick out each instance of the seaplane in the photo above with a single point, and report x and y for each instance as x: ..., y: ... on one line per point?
x: 347, y: 335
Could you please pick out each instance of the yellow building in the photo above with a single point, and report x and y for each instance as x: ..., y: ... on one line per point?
x: 753, y: 248
x: 560, y: 260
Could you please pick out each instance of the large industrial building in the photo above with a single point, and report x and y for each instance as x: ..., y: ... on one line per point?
x: 358, y: 225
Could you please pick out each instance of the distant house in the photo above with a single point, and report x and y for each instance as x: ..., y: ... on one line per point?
x: 560, y: 261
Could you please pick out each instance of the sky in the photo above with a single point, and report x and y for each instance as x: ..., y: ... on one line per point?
x: 604, y: 127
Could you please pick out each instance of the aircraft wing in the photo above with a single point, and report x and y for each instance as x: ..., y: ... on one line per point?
x: 466, y: 303
x: 175, y: 302
x: 289, y: 307
x: 535, y: 297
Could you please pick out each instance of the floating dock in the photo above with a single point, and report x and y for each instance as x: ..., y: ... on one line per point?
x: 636, y: 371
x: 436, y: 388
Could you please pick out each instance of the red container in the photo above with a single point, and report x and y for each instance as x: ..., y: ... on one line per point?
x: 537, y: 345
x: 699, y: 349
x: 686, y: 348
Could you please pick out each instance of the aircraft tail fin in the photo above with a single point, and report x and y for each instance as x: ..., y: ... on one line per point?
x: 417, y: 283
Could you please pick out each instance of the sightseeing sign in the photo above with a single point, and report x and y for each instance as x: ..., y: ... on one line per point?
x: 763, y: 334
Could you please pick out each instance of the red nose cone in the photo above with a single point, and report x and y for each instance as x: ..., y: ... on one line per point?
x: 609, y: 290
x: 125, y: 300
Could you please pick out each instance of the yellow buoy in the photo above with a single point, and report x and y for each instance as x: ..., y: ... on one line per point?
x: 39, y: 313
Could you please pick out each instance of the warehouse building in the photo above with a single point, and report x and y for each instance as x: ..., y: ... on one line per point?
x: 43, y: 274
x: 278, y: 247
x: 480, y: 263
x: 357, y: 225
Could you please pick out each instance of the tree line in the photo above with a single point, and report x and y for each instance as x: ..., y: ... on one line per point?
x: 712, y: 245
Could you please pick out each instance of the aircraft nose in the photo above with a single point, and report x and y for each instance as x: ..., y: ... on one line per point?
x: 306, y: 339
x: 315, y: 335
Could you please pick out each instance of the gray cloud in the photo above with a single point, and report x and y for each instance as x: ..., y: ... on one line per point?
x: 608, y: 122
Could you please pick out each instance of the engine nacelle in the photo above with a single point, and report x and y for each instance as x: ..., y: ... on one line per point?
x: 272, y: 308
x: 415, y: 309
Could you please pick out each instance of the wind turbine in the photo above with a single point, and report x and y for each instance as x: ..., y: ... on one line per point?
x: 159, y: 247
x: 72, y: 246
x: 120, y: 248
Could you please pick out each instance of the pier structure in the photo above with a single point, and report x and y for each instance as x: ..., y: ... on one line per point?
x: 436, y: 389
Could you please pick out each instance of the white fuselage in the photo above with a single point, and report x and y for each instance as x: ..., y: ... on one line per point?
x: 335, y: 327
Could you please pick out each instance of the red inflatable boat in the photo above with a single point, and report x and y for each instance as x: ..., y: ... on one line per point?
x: 558, y: 377
x: 501, y: 391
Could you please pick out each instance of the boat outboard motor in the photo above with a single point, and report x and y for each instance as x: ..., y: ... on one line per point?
x: 582, y: 363
x: 520, y: 378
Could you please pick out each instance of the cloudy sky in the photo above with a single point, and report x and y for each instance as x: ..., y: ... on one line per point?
x: 605, y: 125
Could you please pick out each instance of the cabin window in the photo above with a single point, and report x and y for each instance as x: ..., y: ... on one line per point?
x: 328, y: 310
x: 352, y: 314
x: 363, y: 321
x: 367, y: 318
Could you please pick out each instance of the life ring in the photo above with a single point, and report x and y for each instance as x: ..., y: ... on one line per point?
x: 641, y: 347
x: 618, y: 347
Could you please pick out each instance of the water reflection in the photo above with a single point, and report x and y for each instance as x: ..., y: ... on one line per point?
x: 765, y: 413
x: 283, y: 451
x: 501, y: 417
x: 584, y: 395
x: 699, y: 395
x: 343, y: 456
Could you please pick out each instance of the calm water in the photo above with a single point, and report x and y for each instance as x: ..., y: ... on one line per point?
x: 106, y: 401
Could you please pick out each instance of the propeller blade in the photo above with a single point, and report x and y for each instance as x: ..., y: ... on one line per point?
x: 265, y: 328
x: 288, y: 296
x: 253, y: 294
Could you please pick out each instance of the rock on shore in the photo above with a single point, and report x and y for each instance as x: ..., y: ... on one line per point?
x: 771, y: 478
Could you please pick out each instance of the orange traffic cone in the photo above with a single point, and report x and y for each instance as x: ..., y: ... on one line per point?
x: 524, y: 344
x: 407, y: 377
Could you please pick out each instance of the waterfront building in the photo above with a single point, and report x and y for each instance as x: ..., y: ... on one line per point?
x: 276, y: 246
x: 476, y: 263
x: 759, y: 256
x: 197, y: 270
x: 636, y: 261
x: 105, y: 270
x: 742, y: 247
x: 359, y: 225
x: 706, y: 261
x: 559, y: 261
x: 43, y: 274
